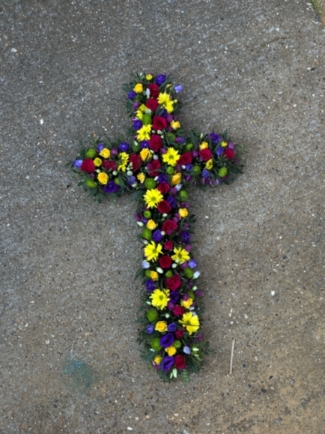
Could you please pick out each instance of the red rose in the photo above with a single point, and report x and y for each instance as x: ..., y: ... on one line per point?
x: 165, y: 261
x: 164, y: 207
x: 173, y: 282
x: 178, y: 311
x: 109, y: 165
x: 163, y: 187
x: 136, y: 161
x: 179, y: 362
x: 154, y: 90
x: 185, y: 158
x: 153, y: 166
x: 205, y: 154
x: 179, y: 333
x: 159, y: 123
x: 168, y: 245
x: 169, y: 226
x: 155, y: 142
x: 229, y: 153
x: 152, y: 104
x: 87, y: 165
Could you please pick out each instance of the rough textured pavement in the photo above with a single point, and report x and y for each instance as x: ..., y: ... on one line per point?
x: 69, y: 358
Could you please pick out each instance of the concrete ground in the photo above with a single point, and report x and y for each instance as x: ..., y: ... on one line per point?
x: 69, y: 358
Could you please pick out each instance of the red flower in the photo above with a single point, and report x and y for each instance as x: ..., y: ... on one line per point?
x: 152, y: 104
x: 173, y: 282
x: 109, y: 165
x: 185, y: 158
x: 169, y: 226
x: 165, y: 261
x: 136, y: 161
x: 178, y: 311
x: 179, y: 333
x: 179, y: 362
x: 205, y: 154
x: 229, y: 153
x: 159, y: 123
x: 163, y: 187
x: 155, y: 142
x: 154, y: 90
x: 153, y: 166
x: 87, y: 165
x: 164, y: 207
x: 168, y: 245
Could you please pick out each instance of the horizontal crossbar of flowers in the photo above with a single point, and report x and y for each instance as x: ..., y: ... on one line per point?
x: 159, y: 163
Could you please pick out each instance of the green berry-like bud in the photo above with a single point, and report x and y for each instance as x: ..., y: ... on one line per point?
x: 177, y: 344
x: 223, y: 172
x: 148, y: 274
x: 170, y: 170
x: 152, y: 315
x: 197, y: 169
x: 169, y: 273
x: 90, y: 183
x: 146, y: 234
x: 183, y: 195
x: 91, y: 153
x: 189, y: 146
x: 188, y: 273
x: 146, y: 119
x: 117, y: 181
x: 135, y: 147
x: 191, y: 295
x: 147, y: 214
x: 150, y: 183
x: 155, y: 344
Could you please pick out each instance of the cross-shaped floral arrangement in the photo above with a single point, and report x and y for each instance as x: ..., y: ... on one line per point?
x: 158, y: 164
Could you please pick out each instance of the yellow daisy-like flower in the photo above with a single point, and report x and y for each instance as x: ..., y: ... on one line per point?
x: 139, y: 114
x: 141, y: 177
x: 97, y: 162
x: 175, y: 125
x: 204, y: 145
x: 183, y: 212
x: 123, y: 161
x: 149, y: 77
x: 145, y: 154
x: 187, y: 303
x: 152, y: 198
x: 157, y: 360
x: 171, y: 157
x: 169, y: 106
x: 161, y: 326
x: 105, y: 153
x: 181, y: 255
x: 138, y: 88
x: 103, y: 178
x: 160, y: 298
x: 152, y: 251
x: 171, y: 350
x: 154, y: 275
x: 224, y: 144
x: 163, y: 98
x: 144, y: 133
x: 151, y: 224
x: 209, y: 164
x: 190, y: 322
x: 176, y: 179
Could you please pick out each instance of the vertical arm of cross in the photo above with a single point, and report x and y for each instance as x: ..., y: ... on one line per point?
x: 159, y: 164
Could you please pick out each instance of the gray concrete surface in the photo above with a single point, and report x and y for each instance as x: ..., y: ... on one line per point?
x: 69, y: 358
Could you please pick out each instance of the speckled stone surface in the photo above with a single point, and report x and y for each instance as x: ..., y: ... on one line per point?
x: 69, y: 360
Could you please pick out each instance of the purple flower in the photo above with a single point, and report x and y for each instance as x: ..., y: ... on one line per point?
x: 189, y: 167
x: 167, y: 363
x: 131, y: 180
x: 124, y: 147
x: 174, y: 296
x: 160, y: 79
x: 162, y: 177
x: 180, y: 140
x: 100, y: 147
x: 172, y: 201
x: 157, y: 236
x: 192, y: 263
x: 111, y: 187
x: 205, y: 173
x: 187, y: 350
x: 144, y: 144
x: 132, y: 94
x: 114, y: 151
x: 178, y: 88
x: 231, y: 146
x: 167, y: 340
x: 150, y: 285
x: 137, y: 124
x: 185, y: 237
x: 214, y: 137
x: 150, y: 329
x: 219, y: 151
x: 77, y: 164
x: 172, y: 327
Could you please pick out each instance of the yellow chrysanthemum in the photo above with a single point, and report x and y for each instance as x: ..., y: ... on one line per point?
x: 171, y: 157
x: 176, y: 179
x: 151, y: 224
x: 154, y: 275
x: 152, y: 251
x: 161, y: 326
x: 152, y: 197
x: 181, y: 255
x: 103, y: 178
x: 175, y: 125
x: 160, y: 298
x: 149, y: 77
x: 105, y: 153
x: 224, y: 144
x: 169, y: 106
x: 145, y: 154
x: 209, y: 164
x: 139, y: 114
x: 141, y: 177
x: 144, y: 133
x: 190, y: 322
x: 97, y: 161
x: 157, y: 360
x: 123, y: 161
x: 183, y: 212
x: 163, y: 98
x: 204, y: 145
x: 171, y: 351
x: 138, y: 88
x: 187, y: 303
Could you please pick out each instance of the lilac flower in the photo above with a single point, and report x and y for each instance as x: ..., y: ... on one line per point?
x: 137, y: 124
x: 111, y: 187
x: 124, y: 147
x: 172, y: 327
x: 192, y: 263
x: 100, y: 147
x: 167, y: 363
x: 231, y: 146
x: 160, y: 79
x: 132, y: 94
x: 157, y: 236
x: 77, y: 164
x: 114, y: 151
x: 167, y: 340
x: 150, y: 285
x: 150, y: 329
x: 178, y: 88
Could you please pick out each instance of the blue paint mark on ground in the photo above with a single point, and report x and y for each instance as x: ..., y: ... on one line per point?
x: 82, y: 375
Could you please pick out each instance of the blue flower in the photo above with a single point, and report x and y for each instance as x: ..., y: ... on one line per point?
x: 187, y: 350
x: 160, y: 79
x: 157, y: 236
x: 150, y: 285
x: 144, y: 144
x: 192, y: 263
x: 219, y: 151
x: 172, y: 201
x: 205, y: 173
x: 189, y: 167
x: 132, y: 95
x: 167, y: 363
x: 145, y: 265
x: 186, y: 236
x: 215, y: 138
x: 150, y: 329
x: 111, y: 187
x: 100, y: 147
x: 167, y: 340
x: 137, y: 124
x: 77, y: 164
x: 178, y: 88
x: 124, y: 147
x: 162, y: 177
x: 131, y: 180
x: 172, y: 327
